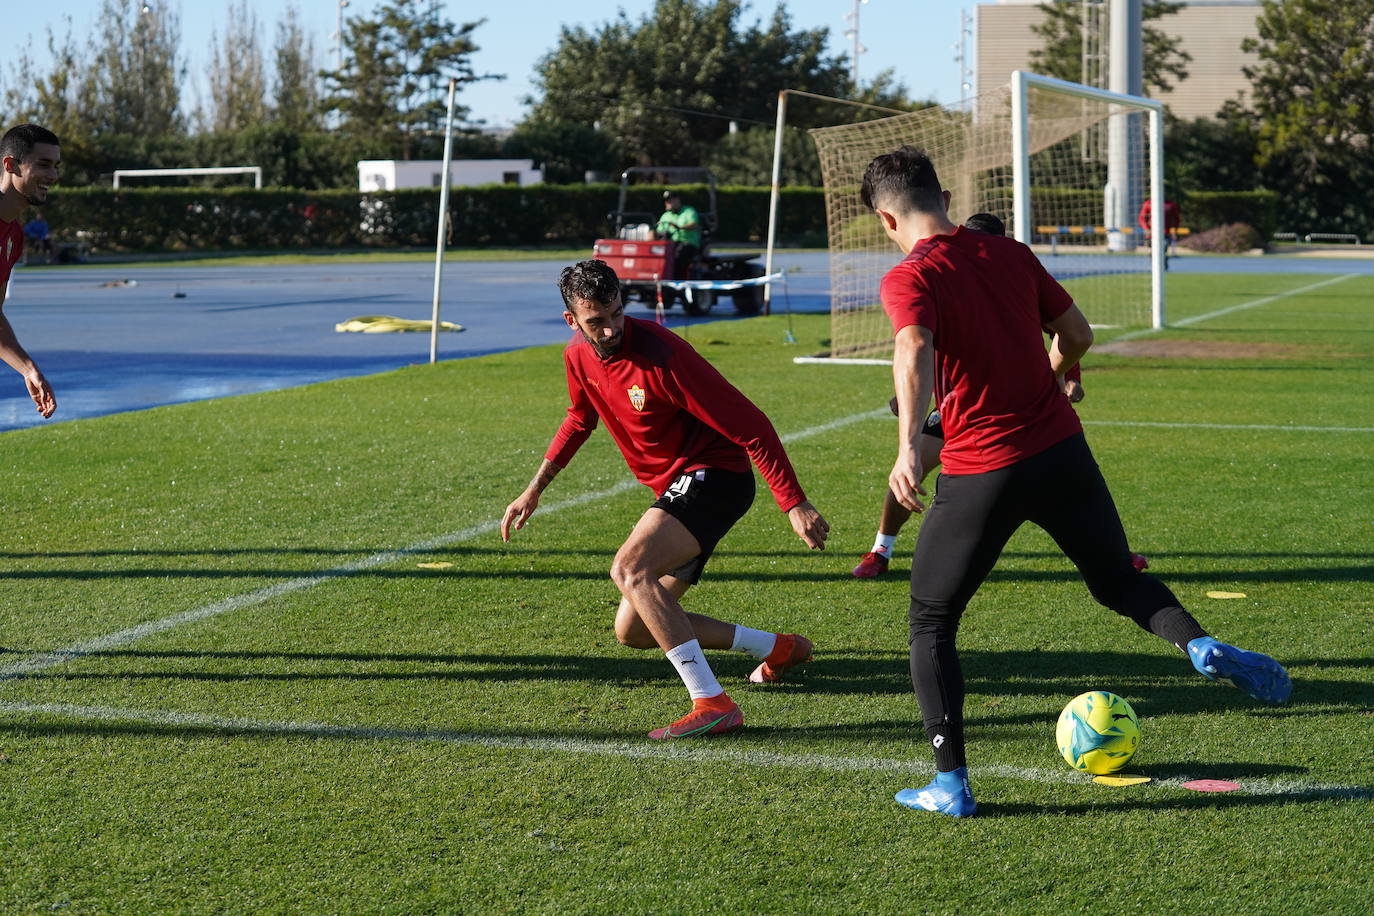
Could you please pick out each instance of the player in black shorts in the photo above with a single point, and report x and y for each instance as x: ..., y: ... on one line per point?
x: 691, y: 437
x: 708, y: 502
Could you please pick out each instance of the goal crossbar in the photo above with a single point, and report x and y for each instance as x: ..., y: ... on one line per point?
x: 254, y: 170
x: 1067, y: 167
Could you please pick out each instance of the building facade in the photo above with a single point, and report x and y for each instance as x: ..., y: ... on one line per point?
x: 1211, y: 31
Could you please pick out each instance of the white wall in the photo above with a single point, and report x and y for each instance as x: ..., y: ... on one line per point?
x: 391, y: 174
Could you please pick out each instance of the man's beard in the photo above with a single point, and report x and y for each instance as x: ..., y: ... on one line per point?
x: 603, y: 350
x: 34, y: 199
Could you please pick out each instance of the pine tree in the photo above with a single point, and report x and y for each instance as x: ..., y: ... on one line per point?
x: 237, y: 73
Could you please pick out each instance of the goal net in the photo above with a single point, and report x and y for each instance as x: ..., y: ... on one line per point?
x: 1066, y: 167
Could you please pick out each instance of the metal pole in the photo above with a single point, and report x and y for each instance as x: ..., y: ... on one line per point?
x: 1020, y: 160
x: 857, y: 46
x: 338, y: 37
x: 773, y: 201
x: 1124, y: 76
x: 1161, y: 243
x: 443, y: 226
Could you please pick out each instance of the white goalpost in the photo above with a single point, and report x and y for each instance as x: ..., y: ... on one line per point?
x: 1065, y: 166
x: 254, y: 170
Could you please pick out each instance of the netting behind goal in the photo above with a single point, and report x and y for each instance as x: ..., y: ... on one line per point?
x: 1081, y: 209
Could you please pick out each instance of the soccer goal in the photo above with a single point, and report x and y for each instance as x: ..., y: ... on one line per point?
x: 254, y: 170
x: 1065, y: 166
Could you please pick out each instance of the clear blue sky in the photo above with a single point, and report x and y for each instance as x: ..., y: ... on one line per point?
x: 913, y: 37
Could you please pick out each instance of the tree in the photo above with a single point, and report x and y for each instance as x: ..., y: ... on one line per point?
x: 395, y: 80
x: 237, y: 73
x: 746, y: 158
x: 55, y: 99
x: 1211, y: 154
x: 134, y: 83
x: 296, y: 92
x: 1061, y: 54
x: 1310, y: 97
x: 667, y: 86
x: 564, y: 149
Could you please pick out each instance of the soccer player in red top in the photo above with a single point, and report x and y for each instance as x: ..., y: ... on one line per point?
x: 967, y: 310
x: 894, y: 515
x: 29, y: 156
x: 689, y: 436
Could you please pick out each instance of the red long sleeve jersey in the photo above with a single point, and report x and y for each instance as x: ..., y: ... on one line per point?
x: 670, y: 411
x: 11, y: 250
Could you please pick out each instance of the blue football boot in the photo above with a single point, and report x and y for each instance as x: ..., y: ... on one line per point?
x: 1255, y: 673
x: 948, y: 793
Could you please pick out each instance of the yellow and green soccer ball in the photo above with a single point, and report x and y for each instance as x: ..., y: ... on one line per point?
x: 1098, y: 732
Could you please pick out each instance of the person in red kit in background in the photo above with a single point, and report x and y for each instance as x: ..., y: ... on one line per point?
x: 29, y: 156
x: 688, y: 435
x: 1173, y: 219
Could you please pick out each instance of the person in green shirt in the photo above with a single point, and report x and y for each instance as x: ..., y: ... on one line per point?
x: 680, y: 223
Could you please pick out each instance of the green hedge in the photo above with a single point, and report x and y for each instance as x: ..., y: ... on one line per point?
x: 164, y: 219
x: 1203, y: 210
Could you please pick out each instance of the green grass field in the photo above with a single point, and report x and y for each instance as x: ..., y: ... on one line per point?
x: 231, y: 686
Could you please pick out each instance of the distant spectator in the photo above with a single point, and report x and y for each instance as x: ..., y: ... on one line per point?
x: 36, y: 236
x: 1172, y: 220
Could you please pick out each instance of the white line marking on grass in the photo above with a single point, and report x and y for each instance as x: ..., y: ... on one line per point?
x: 1184, y: 322
x: 709, y: 753
x: 42, y: 661
x: 1267, y: 427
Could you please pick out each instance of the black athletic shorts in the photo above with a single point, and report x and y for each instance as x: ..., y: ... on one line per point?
x: 708, y: 502
x: 933, y: 427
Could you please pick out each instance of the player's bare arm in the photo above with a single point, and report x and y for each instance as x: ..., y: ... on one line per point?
x: 19, y: 360
x: 519, y: 511
x: 809, y: 524
x: 913, y: 377
x: 1072, y: 338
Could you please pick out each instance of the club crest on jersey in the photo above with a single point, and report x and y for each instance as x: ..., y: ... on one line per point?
x: 636, y: 397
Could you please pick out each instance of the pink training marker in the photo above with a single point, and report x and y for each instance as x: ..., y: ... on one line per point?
x: 1212, y: 785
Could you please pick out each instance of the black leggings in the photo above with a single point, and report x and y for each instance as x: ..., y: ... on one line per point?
x: 970, y: 521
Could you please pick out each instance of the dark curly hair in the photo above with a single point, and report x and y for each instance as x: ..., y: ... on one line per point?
x: 902, y: 180
x: 588, y: 280
x: 20, y: 140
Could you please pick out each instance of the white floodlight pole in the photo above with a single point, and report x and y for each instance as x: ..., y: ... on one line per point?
x: 773, y: 201
x: 443, y: 226
x: 853, y: 32
x: 1125, y: 76
x: 338, y: 38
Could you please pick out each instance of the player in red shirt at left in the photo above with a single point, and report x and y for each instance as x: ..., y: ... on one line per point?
x: 29, y: 156
x: 688, y: 435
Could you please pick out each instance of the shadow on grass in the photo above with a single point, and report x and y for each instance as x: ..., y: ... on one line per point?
x: 1359, y: 571
x: 608, y: 552
x: 1156, y: 685
x: 1192, y: 802
x: 728, y: 751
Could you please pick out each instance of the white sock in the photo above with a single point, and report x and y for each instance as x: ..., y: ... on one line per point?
x: 883, y: 544
x: 758, y: 643
x: 694, y: 670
